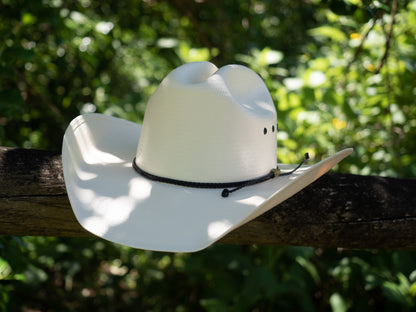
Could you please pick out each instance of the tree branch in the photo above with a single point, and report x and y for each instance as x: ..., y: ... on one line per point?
x: 389, y: 35
x: 337, y: 210
x: 360, y: 47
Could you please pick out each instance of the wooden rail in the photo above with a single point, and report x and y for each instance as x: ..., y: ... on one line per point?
x: 337, y: 210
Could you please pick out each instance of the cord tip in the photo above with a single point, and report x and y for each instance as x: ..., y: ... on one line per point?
x: 225, y: 193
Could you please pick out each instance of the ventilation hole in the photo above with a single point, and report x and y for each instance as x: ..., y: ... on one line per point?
x: 273, y: 128
x: 277, y: 127
x: 265, y: 130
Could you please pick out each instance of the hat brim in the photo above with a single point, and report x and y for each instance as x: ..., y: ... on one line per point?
x: 111, y: 200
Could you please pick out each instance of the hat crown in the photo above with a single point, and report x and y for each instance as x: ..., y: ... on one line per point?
x: 205, y: 124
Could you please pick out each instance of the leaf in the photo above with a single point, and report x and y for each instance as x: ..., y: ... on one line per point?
x: 308, y: 266
x: 338, y: 303
x: 189, y: 54
x: 28, y: 19
x: 213, y: 305
x: 397, y: 292
x: 412, y: 290
x: 381, y: 6
x: 167, y: 43
x: 268, y: 56
x: 328, y: 32
x: 5, y: 269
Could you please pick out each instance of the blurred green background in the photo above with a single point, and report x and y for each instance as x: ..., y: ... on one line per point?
x: 341, y: 73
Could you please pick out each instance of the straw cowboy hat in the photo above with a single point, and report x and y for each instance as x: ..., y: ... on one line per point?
x: 202, y: 164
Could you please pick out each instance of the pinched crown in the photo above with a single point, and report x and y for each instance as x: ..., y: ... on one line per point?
x: 205, y: 124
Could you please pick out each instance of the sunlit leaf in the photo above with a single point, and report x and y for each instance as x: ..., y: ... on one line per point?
x: 338, y: 303
x: 328, y: 32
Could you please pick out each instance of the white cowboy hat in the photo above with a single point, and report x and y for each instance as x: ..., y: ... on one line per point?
x: 203, y: 163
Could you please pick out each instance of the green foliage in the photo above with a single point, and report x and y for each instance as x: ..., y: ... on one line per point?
x: 82, y: 274
x: 338, y: 78
x: 338, y: 97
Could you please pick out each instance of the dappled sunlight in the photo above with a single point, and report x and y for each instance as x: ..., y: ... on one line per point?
x: 218, y: 228
x: 97, y: 223
x: 104, y: 184
x: 84, y: 195
x: 101, y: 157
x: 107, y: 213
x: 82, y: 173
x: 102, y: 212
x: 88, y: 147
x: 252, y: 201
x: 139, y: 189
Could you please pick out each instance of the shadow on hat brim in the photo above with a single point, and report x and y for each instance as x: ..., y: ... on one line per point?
x: 112, y: 201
